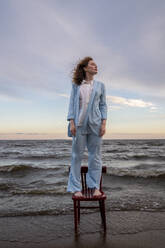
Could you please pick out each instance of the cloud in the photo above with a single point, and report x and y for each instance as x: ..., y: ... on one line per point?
x: 64, y: 95
x: 130, y: 102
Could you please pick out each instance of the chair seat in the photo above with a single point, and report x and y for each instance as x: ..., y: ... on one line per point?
x: 88, y: 196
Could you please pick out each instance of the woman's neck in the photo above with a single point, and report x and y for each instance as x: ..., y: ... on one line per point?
x: 89, y: 78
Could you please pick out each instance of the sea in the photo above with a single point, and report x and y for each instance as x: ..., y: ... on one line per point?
x: 34, y: 176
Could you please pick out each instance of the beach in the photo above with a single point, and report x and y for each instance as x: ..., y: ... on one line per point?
x: 37, y: 211
x: 128, y: 229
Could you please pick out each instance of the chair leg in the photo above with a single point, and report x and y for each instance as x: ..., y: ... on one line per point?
x: 103, y: 214
x: 78, y: 211
x: 100, y: 205
x: 75, y: 215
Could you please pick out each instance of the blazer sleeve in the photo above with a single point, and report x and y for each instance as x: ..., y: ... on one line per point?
x: 71, y: 105
x: 103, y: 104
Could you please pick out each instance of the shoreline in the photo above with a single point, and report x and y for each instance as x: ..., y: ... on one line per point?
x: 131, y: 229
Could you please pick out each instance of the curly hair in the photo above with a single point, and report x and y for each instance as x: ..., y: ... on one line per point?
x: 79, y: 72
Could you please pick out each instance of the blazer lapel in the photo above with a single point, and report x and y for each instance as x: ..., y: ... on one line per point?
x: 92, y: 93
x: 77, y: 103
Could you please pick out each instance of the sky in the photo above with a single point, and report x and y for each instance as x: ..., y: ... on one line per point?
x: 41, y: 42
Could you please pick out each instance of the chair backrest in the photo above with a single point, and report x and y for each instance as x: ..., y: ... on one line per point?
x: 84, y: 170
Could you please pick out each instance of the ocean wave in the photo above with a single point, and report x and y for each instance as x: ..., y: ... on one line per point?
x: 55, y: 191
x: 115, y: 151
x: 12, y: 145
x: 136, y: 157
x: 24, y: 167
x: 5, y: 186
x: 45, y: 156
x: 146, y: 157
x: 155, y: 143
x: 123, y: 172
x: 10, y: 152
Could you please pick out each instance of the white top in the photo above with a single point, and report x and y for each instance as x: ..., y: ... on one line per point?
x: 85, y: 93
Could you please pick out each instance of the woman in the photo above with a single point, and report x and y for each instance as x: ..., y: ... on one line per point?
x: 87, y: 120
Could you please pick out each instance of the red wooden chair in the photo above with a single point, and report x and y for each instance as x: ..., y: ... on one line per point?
x: 88, y: 196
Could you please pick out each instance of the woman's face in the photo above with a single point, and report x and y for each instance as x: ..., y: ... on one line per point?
x: 91, y: 67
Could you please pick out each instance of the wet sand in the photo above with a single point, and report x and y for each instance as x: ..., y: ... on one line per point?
x: 126, y: 229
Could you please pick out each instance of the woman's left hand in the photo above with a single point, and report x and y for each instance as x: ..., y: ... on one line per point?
x: 102, y: 129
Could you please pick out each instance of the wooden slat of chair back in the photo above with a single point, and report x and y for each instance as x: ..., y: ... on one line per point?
x: 85, y: 189
x: 84, y: 169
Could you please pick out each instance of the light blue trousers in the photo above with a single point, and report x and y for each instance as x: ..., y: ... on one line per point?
x: 93, y: 143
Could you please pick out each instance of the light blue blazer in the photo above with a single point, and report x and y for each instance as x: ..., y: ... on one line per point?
x: 96, y: 111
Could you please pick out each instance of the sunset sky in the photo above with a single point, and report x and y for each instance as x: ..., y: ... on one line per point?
x: 41, y: 41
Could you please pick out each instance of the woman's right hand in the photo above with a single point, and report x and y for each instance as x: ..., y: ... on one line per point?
x: 72, y: 128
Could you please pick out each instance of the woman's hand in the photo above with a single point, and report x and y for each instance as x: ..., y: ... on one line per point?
x: 102, y: 129
x: 72, y: 128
